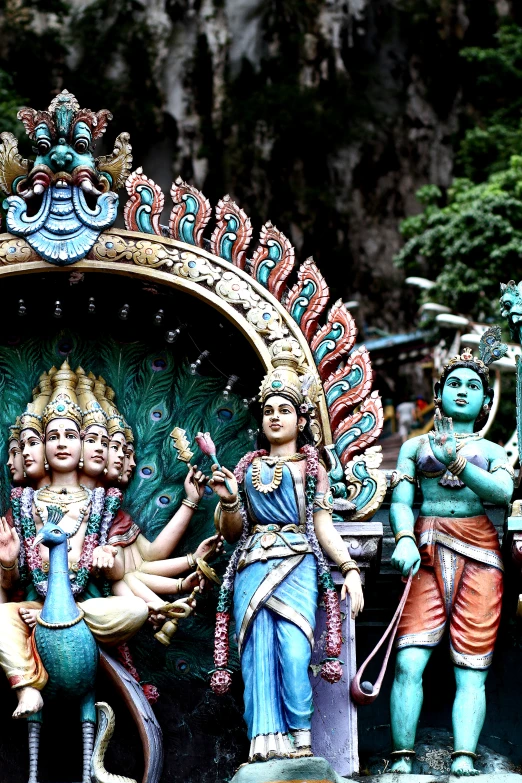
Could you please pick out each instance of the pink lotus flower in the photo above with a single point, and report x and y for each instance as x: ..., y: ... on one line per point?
x: 206, y: 444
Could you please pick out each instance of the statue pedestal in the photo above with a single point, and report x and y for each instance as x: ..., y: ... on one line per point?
x: 307, y: 770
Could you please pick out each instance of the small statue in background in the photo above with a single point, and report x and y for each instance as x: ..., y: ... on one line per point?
x: 453, y: 552
x: 278, y: 505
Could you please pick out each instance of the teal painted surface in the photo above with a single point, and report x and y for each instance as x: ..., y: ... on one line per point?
x: 463, y: 397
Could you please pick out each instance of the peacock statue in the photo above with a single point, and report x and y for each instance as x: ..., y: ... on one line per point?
x: 70, y: 656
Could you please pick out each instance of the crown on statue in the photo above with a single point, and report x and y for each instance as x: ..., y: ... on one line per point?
x: 284, y: 379
x: 92, y: 411
x: 63, y: 403
x: 465, y: 356
x: 32, y: 417
x: 14, y: 430
x: 105, y: 395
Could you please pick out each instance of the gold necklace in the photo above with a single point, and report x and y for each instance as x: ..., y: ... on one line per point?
x: 278, y: 471
x: 62, y: 498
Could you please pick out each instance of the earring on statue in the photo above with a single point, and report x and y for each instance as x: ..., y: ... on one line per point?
x: 46, y: 466
x: 80, y: 463
x: 301, y: 427
x: 105, y: 471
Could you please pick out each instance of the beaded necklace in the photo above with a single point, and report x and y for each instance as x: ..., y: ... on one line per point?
x: 50, y: 495
x: 31, y: 565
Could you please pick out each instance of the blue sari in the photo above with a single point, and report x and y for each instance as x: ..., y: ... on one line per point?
x: 275, y: 600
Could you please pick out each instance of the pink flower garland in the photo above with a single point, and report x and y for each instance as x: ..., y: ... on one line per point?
x: 331, y: 670
x: 221, y: 679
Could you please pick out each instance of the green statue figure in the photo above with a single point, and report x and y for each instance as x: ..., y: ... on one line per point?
x: 453, y: 552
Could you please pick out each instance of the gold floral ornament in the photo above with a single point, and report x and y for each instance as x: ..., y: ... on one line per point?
x: 141, y: 252
x: 262, y: 315
x: 12, y: 165
x: 117, y: 165
x: 195, y: 268
x: 16, y: 251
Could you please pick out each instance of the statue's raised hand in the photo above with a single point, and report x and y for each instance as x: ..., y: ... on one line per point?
x: 220, y: 477
x: 195, y: 483
x: 442, y: 439
x: 9, y: 544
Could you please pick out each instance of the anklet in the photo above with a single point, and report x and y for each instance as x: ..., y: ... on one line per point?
x: 402, y: 753
x: 464, y: 753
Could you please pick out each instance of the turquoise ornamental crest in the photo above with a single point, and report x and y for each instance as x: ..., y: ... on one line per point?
x: 61, y: 202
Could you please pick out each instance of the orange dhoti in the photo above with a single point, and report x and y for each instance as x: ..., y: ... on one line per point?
x: 460, y: 582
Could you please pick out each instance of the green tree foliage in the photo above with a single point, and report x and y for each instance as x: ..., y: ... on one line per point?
x: 470, y: 239
x: 496, y: 97
x: 470, y: 244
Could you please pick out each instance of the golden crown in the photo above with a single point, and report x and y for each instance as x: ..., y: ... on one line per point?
x: 285, y: 379
x: 105, y: 395
x: 92, y: 411
x: 63, y: 403
x: 14, y: 430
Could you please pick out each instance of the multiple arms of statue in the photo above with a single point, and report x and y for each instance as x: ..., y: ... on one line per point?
x: 170, y: 536
x: 230, y: 522
x: 9, y: 551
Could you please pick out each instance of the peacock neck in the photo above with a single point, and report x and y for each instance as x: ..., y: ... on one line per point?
x: 59, y: 605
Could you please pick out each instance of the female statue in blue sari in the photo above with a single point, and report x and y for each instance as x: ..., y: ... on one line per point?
x: 278, y: 505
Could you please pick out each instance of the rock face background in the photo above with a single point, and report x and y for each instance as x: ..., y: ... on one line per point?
x: 324, y: 116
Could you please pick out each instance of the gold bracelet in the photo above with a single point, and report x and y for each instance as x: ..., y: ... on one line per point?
x: 457, y: 466
x: 180, y: 585
x: 189, y: 504
x: 349, y: 565
x: 191, y: 560
x: 405, y: 534
x: 230, y: 508
x: 10, y: 568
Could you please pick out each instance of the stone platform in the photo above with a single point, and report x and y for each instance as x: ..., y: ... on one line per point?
x: 389, y: 777
x: 307, y: 770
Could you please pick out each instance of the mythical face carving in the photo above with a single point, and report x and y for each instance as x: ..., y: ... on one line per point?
x: 62, y: 201
x: 511, y: 307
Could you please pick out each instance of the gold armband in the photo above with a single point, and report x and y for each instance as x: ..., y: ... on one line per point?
x: 191, y: 560
x: 404, y: 534
x: 505, y: 466
x: 11, y: 567
x: 397, y: 477
x: 324, y: 501
x: 190, y: 504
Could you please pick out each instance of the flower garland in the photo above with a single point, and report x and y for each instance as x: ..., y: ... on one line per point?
x: 113, y: 501
x: 221, y: 675
x: 33, y: 566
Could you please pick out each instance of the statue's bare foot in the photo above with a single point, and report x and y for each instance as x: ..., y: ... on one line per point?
x: 29, y: 701
x: 463, y: 765
x: 402, y: 765
x: 29, y: 616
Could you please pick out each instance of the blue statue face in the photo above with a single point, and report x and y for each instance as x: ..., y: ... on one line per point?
x: 463, y: 395
x: 65, y: 153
